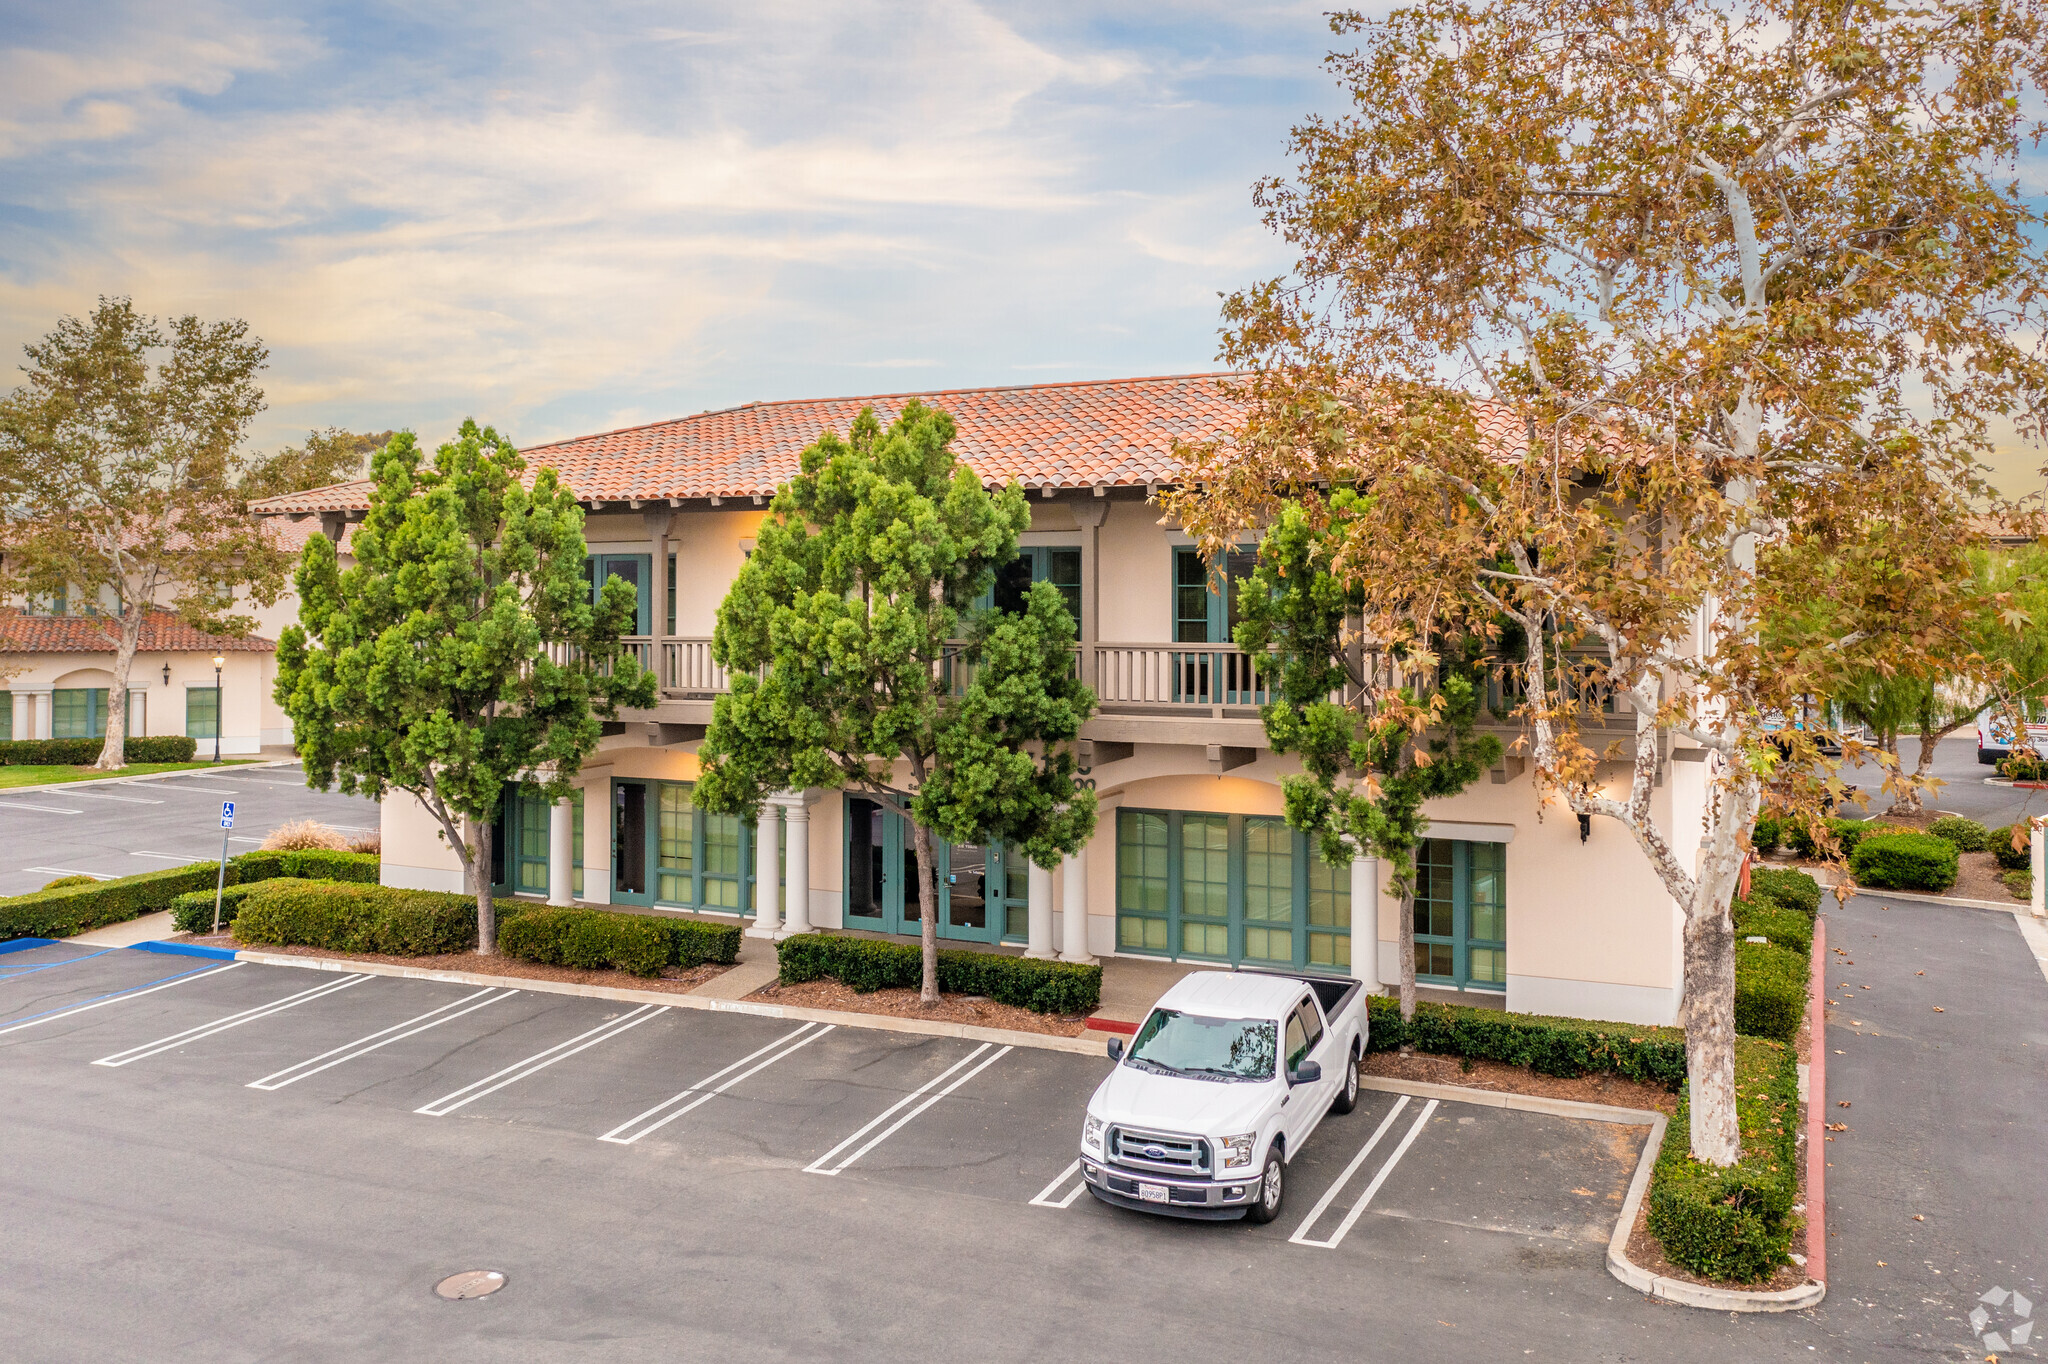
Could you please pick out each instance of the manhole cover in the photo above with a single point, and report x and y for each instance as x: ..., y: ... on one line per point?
x: 470, y: 1283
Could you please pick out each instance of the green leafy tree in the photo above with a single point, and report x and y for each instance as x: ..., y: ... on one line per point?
x: 328, y: 457
x: 119, y: 481
x: 461, y: 651
x: 1373, y: 750
x: 859, y: 661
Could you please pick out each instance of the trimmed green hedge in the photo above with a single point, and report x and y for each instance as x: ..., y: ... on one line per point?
x: 192, y: 912
x: 79, y: 909
x: 1786, y: 927
x: 2009, y: 857
x: 866, y: 964
x: 1567, y: 1047
x: 1967, y: 834
x: 1793, y: 889
x: 1847, y: 832
x: 1770, y: 990
x: 157, y: 748
x: 588, y: 939
x: 349, y: 917
x: 1905, y: 861
x: 1734, y: 1224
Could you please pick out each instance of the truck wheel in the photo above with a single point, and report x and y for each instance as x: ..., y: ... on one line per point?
x: 1270, y: 1192
x: 1347, y: 1098
x: 1986, y: 756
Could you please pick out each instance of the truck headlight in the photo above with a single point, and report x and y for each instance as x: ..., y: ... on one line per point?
x: 1237, y: 1151
x: 1091, y: 1131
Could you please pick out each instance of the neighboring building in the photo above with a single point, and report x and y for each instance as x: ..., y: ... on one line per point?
x: 1191, y: 862
x: 57, y: 659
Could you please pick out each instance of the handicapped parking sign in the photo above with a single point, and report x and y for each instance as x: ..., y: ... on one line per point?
x: 227, y: 814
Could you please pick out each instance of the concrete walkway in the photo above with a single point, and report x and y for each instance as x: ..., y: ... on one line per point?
x: 148, y: 928
x: 757, y: 967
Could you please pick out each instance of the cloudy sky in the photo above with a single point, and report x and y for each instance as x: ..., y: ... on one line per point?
x: 564, y: 218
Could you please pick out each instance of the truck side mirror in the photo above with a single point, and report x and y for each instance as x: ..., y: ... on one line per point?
x: 1308, y: 1072
x: 1116, y: 1049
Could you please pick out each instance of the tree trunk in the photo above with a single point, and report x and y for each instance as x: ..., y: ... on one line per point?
x: 1903, y: 802
x: 480, y: 883
x: 1407, y: 912
x: 927, y: 915
x: 113, y: 754
x: 1708, y: 1017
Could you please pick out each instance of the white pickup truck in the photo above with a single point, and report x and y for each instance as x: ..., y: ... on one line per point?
x: 1220, y: 1088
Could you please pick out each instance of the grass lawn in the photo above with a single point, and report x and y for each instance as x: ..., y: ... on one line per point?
x: 41, y: 776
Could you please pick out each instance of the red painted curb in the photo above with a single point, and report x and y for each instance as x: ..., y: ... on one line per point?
x: 1112, y: 1025
x: 1816, y: 1113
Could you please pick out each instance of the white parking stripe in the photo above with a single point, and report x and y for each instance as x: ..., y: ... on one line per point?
x: 119, y: 995
x: 363, y: 1046
x: 45, y: 809
x: 101, y: 795
x: 204, y: 1030
x: 1045, y: 1195
x: 539, y: 1061
x: 704, y: 1095
x: 817, y: 1167
x: 1300, y: 1236
x: 67, y: 871
x: 202, y: 790
x: 171, y: 857
x: 1358, y: 1208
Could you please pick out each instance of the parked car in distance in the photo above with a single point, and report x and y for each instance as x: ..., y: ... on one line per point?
x: 1223, y: 1084
x: 1994, y: 736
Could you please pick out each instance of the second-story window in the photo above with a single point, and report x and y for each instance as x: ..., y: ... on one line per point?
x: 1059, y: 565
x: 634, y: 570
x: 1204, y: 599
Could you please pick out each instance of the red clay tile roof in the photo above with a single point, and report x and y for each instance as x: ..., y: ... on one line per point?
x: 162, y: 632
x: 1116, y: 432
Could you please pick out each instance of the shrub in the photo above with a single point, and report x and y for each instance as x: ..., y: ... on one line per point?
x: 865, y: 964
x: 325, y: 864
x: 1848, y: 833
x: 192, y: 912
x: 1770, y: 990
x: 1788, y: 928
x: 2025, y: 765
x: 63, y: 881
x: 77, y: 909
x: 371, y: 842
x: 1568, y: 1047
x: 699, y: 943
x: 2020, y: 884
x: 1735, y: 1223
x: 589, y: 940
x: 303, y: 834
x: 257, y: 866
x: 1790, y: 888
x: 1767, y: 834
x: 2009, y: 857
x: 1967, y: 834
x: 161, y: 748
x: 1905, y: 861
x: 347, y: 917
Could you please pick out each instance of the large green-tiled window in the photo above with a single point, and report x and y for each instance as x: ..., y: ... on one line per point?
x: 202, y: 712
x: 81, y: 713
x: 698, y: 858
x: 530, y: 850
x: 525, y: 831
x: 1461, y: 913
x: 6, y: 715
x: 1238, y: 888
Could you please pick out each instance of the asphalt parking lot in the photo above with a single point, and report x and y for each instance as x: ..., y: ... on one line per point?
x: 233, y: 1160
x: 118, y: 828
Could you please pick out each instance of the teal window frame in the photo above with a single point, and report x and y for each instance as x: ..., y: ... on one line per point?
x: 1460, y: 898
x: 598, y: 567
x: 669, y: 599
x: 1005, y: 886
x: 211, y: 722
x: 81, y: 712
x: 1059, y: 565
x: 714, y: 854
x: 523, y: 852
x: 1168, y: 897
x: 6, y: 715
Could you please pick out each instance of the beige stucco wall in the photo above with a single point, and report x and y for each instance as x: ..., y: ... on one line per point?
x: 245, y: 682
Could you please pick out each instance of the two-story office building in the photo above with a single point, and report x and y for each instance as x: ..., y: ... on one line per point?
x: 1191, y: 860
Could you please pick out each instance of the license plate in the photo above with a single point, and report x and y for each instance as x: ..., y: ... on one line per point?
x: 1152, y: 1193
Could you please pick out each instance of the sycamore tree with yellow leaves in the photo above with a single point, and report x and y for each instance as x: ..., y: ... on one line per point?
x: 1624, y: 326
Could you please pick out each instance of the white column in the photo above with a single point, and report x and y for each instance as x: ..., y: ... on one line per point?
x: 797, y: 873
x: 767, y: 906
x: 1365, y: 920
x: 1074, y: 890
x: 2040, y: 866
x: 1038, y: 910
x: 562, y: 853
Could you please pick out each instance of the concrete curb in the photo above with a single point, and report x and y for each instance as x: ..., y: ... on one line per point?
x: 1079, y: 1046
x: 1618, y: 1263
x: 1816, y: 1108
x: 256, y: 766
x: 1954, y: 901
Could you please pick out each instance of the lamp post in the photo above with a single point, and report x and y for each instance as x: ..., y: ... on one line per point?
x: 217, y: 708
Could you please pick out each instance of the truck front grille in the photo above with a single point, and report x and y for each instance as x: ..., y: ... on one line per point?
x: 1166, y: 1153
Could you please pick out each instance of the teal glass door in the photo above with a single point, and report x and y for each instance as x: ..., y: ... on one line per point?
x: 1461, y: 914
x: 634, y: 570
x: 975, y: 899
x: 631, y: 846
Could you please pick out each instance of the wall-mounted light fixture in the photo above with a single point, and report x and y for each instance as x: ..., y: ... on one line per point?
x: 1585, y: 827
x: 167, y: 672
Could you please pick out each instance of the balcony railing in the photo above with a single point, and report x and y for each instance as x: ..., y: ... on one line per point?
x: 687, y: 668
x: 1176, y: 676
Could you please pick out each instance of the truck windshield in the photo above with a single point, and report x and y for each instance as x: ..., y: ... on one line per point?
x: 1174, y: 1043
